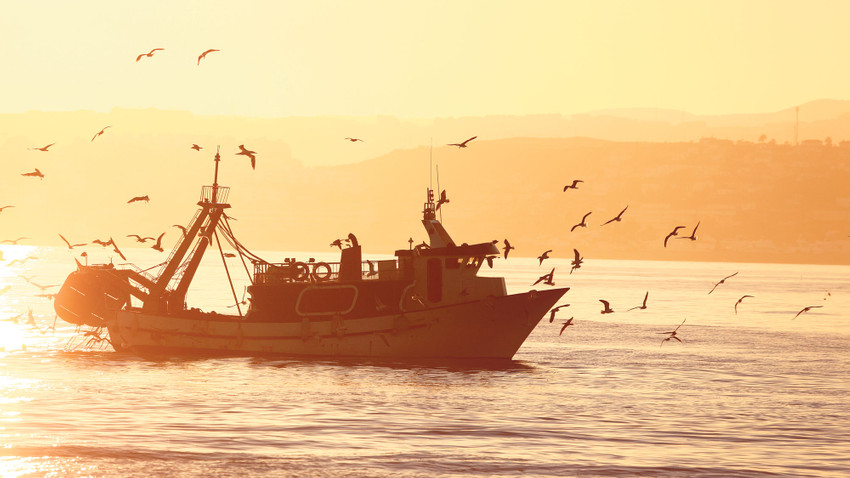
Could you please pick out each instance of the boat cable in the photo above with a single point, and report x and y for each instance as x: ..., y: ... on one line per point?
x: 227, y: 271
x: 241, y: 255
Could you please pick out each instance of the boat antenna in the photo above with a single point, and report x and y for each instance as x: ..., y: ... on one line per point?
x: 438, y: 189
x: 431, y: 165
x: 215, y: 178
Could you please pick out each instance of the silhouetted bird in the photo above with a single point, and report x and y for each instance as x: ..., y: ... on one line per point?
x: 543, y: 257
x: 144, y: 198
x: 196, y: 147
x: 739, y: 301
x: 606, y: 307
x: 14, y: 242
x: 150, y: 53
x: 337, y: 243
x: 546, y: 278
x: 43, y: 148
x: 489, y: 260
x: 354, y: 140
x: 508, y: 248
x: 352, y: 239
x: 806, y: 309
x: 182, y: 229
x: 140, y: 238
x: 574, y: 185
x: 372, y: 271
x: 693, y: 235
x: 99, y: 133
x: 555, y: 310
x: 250, y: 154
x: 443, y: 199
x: 577, y: 261
x: 115, y: 249
x: 642, y: 306
x: 158, y: 245
x: 71, y: 246
x: 672, y: 333
x: 5, y: 207
x: 583, y: 222
x: 34, y: 174
x: 100, y: 242
x: 723, y: 280
x: 674, y: 233
x: 204, y: 54
x: 618, y: 218
x: 462, y: 145
x: 566, y: 324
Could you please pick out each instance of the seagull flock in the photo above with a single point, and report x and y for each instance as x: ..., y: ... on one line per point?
x: 548, y: 278
x: 545, y: 279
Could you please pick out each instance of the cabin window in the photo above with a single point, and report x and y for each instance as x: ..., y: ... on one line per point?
x: 435, y: 280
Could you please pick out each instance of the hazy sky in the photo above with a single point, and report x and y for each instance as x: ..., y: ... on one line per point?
x: 422, y: 59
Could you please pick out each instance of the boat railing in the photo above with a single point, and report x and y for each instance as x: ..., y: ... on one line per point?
x: 295, y: 271
x: 215, y: 194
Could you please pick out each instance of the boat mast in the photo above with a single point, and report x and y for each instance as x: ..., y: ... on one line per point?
x: 204, y: 225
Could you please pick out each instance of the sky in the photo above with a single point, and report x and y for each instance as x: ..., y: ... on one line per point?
x: 422, y: 59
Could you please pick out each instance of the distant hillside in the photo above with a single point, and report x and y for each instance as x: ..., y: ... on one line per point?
x: 755, y: 201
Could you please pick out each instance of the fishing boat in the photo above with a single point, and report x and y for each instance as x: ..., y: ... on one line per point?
x: 426, y: 302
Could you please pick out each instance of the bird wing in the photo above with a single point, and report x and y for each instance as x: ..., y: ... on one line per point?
x: 578, y: 256
x: 470, y: 139
x: 604, y: 302
x: 585, y: 216
x: 610, y: 221
x: 66, y: 240
x: 729, y: 276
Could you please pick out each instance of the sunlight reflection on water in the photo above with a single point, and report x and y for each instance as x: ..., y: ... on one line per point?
x: 606, y: 398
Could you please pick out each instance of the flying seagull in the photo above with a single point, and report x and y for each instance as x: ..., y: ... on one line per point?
x: 443, y: 199
x: 618, y: 218
x: 674, y: 233
x: 566, y: 324
x: 204, y: 54
x: 144, y: 198
x: 806, y: 309
x: 642, y: 306
x: 43, y: 148
x: 607, y: 307
x: 150, y: 53
x: 583, y: 222
x: 462, y: 145
x: 546, y: 278
x: 555, y: 310
x: 739, y: 301
x: 576, y: 263
x: 574, y: 185
x: 693, y: 235
x: 508, y: 248
x: 158, y: 245
x: 196, y: 147
x: 71, y: 246
x: 99, y: 133
x: 672, y: 333
x: 35, y: 174
x: 723, y: 280
x: 353, y: 140
x: 543, y: 257
x: 250, y: 154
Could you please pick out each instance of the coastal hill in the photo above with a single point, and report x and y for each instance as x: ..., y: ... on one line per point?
x: 756, y: 197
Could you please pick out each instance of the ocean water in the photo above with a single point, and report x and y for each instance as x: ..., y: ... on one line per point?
x: 757, y: 393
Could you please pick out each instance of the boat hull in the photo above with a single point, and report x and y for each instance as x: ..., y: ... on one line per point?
x: 493, y: 328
